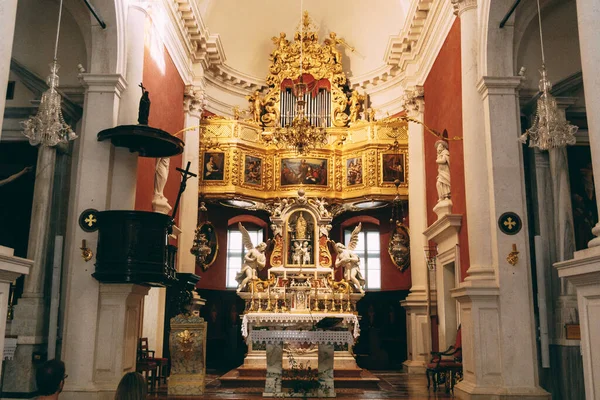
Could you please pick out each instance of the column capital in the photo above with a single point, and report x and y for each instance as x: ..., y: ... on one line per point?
x: 499, y: 85
x: 99, y: 83
x: 413, y: 100
x: 460, y: 6
x: 194, y: 100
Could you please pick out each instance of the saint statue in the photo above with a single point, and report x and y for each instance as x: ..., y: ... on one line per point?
x: 347, y: 258
x: 354, y: 102
x: 159, y: 202
x: 253, y: 259
x: 255, y: 106
x: 144, y: 110
x: 443, y: 178
x: 301, y: 227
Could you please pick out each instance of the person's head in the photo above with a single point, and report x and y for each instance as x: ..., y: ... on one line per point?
x: 441, y: 145
x: 133, y: 386
x: 50, y: 377
x: 261, y: 246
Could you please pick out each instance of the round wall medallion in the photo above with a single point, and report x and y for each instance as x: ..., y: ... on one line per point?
x: 88, y: 220
x: 510, y: 223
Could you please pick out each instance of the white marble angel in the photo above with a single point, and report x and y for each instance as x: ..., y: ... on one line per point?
x: 347, y: 258
x: 253, y: 259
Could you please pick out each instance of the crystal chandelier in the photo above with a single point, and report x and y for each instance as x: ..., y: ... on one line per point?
x: 48, y: 126
x: 550, y: 129
x: 300, y: 135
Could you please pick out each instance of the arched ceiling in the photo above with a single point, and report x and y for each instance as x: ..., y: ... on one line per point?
x: 246, y: 27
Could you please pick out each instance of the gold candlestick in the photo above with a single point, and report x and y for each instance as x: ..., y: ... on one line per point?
x: 325, y: 303
x: 276, y: 302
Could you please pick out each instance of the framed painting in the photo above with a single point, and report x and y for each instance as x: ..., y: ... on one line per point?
x: 354, y: 171
x: 305, y: 171
x: 253, y: 170
x: 213, y: 163
x: 393, y: 167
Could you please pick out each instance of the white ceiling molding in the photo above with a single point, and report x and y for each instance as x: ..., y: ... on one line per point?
x: 408, y: 57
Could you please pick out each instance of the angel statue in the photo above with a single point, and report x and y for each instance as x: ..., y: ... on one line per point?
x: 347, y: 258
x: 254, y: 259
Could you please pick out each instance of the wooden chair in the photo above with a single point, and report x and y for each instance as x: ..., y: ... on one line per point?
x: 146, y: 357
x: 446, y: 370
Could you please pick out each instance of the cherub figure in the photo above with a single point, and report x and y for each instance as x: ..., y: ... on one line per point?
x: 297, y: 253
x: 347, y: 258
x: 305, y: 253
x: 256, y: 105
x: 254, y: 259
x: 282, y: 47
x: 332, y: 42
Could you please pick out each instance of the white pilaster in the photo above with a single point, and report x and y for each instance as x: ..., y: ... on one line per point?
x: 588, y: 15
x: 125, y: 176
x: 498, y: 323
x: 193, y: 105
x: 477, y: 191
x: 91, y: 188
x: 8, y: 17
x: 418, y: 335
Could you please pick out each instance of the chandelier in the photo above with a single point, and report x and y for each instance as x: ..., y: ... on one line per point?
x: 550, y: 129
x: 48, y: 126
x: 300, y: 135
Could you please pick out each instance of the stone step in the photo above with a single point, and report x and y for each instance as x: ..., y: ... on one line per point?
x: 255, y: 377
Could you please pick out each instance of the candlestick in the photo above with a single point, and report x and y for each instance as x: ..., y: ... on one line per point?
x: 325, y: 303
x: 276, y: 302
x: 259, y: 301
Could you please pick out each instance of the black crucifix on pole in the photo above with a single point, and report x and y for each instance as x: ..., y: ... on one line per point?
x: 185, y: 175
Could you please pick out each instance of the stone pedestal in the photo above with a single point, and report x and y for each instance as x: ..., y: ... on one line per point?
x: 115, y: 347
x: 11, y: 268
x: 444, y: 233
x: 584, y: 273
x: 187, y: 344
x: 443, y: 208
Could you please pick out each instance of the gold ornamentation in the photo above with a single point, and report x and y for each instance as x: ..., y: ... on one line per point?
x: 277, y: 254
x: 513, y: 257
x: 185, y: 340
x: 321, y: 61
x: 324, y: 254
x: 90, y: 220
x: 86, y: 252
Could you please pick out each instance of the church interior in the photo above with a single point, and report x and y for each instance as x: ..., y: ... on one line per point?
x: 301, y: 198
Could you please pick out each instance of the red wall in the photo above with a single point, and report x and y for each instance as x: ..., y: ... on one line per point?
x: 443, y: 110
x: 166, y: 112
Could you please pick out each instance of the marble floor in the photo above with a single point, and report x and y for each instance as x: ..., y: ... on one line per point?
x: 394, y: 385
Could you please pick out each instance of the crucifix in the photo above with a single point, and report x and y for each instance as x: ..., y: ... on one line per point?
x: 185, y: 175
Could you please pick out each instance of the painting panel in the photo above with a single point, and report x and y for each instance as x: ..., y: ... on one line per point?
x: 213, y: 166
x: 253, y: 170
x: 354, y: 171
x: 393, y: 167
x: 305, y: 171
x: 583, y: 195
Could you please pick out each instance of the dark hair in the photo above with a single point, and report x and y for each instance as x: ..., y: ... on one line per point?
x: 49, y: 376
x: 133, y: 386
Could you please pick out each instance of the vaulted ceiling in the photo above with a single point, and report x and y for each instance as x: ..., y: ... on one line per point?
x: 246, y: 28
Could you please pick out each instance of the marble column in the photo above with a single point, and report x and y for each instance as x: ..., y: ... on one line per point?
x: 8, y: 17
x: 477, y: 191
x: 11, y: 268
x: 30, y: 322
x: 415, y: 304
x: 193, y: 105
x: 326, y: 385
x: 91, y: 188
x: 588, y: 15
x: 498, y: 323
